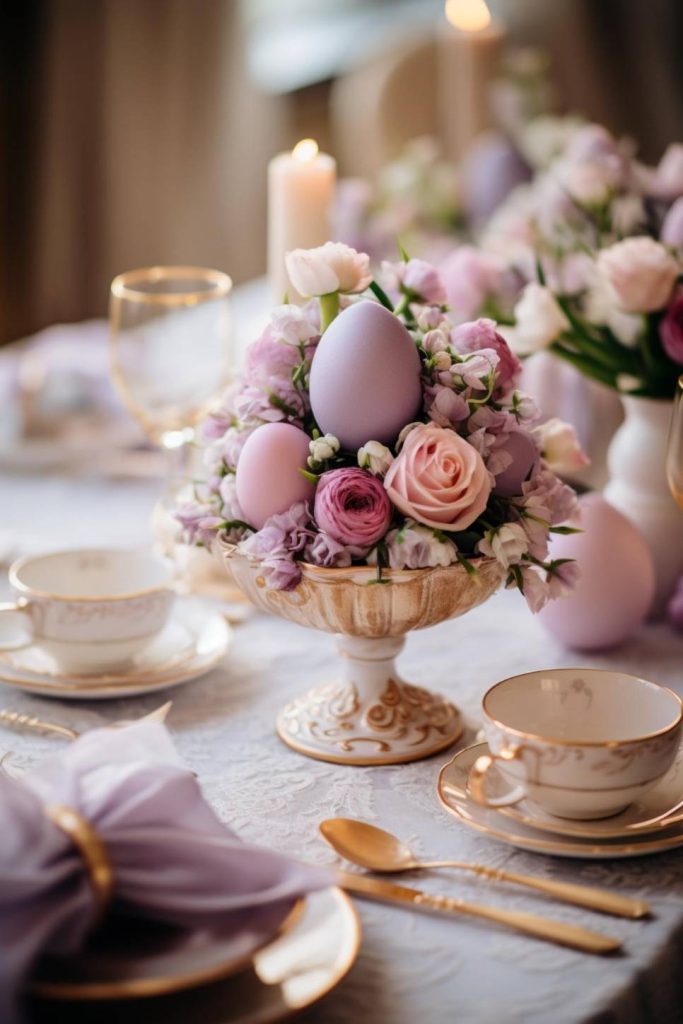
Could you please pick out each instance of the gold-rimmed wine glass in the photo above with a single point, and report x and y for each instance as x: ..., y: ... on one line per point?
x: 674, y: 448
x: 170, y: 348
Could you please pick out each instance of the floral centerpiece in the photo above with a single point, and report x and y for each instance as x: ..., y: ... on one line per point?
x: 371, y: 435
x: 595, y: 242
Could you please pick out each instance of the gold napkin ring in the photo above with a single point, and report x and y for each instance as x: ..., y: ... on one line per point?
x: 91, y: 848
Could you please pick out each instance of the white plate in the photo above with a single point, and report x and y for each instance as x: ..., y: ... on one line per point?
x: 210, y: 636
x: 296, y: 970
x: 452, y: 792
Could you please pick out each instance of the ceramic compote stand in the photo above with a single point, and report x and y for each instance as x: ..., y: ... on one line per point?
x: 370, y: 715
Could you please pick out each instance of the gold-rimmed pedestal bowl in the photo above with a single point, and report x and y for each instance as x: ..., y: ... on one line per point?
x: 370, y: 715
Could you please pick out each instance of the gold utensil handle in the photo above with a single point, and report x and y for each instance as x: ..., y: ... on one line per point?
x: 580, y: 895
x: 529, y: 924
x: 17, y: 720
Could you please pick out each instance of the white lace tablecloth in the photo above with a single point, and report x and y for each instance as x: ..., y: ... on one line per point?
x: 412, y: 969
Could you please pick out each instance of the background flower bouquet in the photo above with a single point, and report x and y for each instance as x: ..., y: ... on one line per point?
x: 372, y: 443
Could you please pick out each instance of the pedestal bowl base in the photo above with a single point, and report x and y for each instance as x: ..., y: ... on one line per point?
x: 371, y: 716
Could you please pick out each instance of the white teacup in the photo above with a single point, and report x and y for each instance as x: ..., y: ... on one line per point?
x: 90, y: 610
x: 581, y: 743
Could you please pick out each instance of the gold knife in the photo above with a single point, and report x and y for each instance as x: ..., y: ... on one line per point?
x: 530, y: 924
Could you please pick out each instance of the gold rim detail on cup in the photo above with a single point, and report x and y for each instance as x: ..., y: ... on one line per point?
x: 124, y: 285
x: 29, y: 591
x: 584, y: 743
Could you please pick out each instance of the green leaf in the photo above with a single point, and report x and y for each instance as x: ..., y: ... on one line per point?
x: 565, y: 530
x: 311, y: 477
x: 404, y: 255
x: 467, y: 565
x: 380, y: 294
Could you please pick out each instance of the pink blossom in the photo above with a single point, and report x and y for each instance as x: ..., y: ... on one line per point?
x: 640, y: 273
x: 562, y: 579
x: 482, y: 334
x: 296, y: 325
x: 439, y: 479
x: 352, y: 506
x: 470, y: 276
x: 535, y: 588
x: 421, y: 280
x: 444, y: 406
x: 476, y: 369
x: 418, y: 547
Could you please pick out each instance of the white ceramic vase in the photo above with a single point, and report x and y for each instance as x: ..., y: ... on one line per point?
x: 638, y: 488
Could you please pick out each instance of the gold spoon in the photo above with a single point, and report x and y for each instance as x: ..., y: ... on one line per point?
x: 380, y: 851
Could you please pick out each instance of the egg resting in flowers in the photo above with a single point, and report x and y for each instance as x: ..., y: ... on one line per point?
x: 268, y: 478
x: 423, y: 450
x: 365, y: 377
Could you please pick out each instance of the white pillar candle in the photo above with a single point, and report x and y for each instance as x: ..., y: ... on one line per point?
x: 468, y: 57
x: 300, y: 195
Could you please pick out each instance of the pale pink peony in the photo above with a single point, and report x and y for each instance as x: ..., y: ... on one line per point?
x: 438, y: 479
x: 352, y: 506
x: 640, y: 273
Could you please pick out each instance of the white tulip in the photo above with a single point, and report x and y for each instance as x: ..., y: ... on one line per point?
x: 640, y: 273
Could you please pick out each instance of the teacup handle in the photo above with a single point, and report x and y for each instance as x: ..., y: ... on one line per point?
x: 19, y: 612
x: 476, y: 781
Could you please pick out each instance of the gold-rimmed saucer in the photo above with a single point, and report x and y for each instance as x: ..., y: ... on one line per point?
x: 452, y: 793
x: 291, y: 973
x: 174, y: 646
x: 638, y: 819
x: 210, y: 634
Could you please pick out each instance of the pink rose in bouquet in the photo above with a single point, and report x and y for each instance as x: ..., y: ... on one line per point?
x: 438, y: 479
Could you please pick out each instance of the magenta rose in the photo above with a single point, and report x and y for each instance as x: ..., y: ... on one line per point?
x: 482, y: 333
x: 352, y: 506
x: 439, y: 479
x: 671, y: 329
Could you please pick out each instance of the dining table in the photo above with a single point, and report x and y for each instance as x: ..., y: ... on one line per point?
x: 412, y: 968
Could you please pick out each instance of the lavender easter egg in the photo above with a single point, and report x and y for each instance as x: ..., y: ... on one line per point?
x: 617, y: 582
x: 268, y: 478
x: 524, y: 454
x: 365, y: 377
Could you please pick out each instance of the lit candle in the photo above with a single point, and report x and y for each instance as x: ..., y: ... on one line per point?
x: 469, y: 50
x: 300, y: 194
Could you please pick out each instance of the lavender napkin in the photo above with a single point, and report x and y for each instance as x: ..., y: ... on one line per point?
x: 173, y: 860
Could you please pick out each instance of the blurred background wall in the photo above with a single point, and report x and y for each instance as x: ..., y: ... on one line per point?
x: 138, y: 131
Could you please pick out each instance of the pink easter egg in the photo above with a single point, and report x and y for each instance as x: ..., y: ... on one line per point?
x: 365, y: 377
x: 617, y: 582
x: 524, y: 454
x: 268, y: 478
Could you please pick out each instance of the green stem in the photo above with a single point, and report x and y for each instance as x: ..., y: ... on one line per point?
x: 329, y: 307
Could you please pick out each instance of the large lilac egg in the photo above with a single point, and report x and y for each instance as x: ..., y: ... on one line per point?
x: 616, y: 585
x: 268, y: 478
x: 365, y: 377
x: 524, y: 454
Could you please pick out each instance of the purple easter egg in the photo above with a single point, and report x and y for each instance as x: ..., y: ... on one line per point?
x: 524, y: 454
x: 617, y: 582
x: 365, y: 377
x: 268, y: 478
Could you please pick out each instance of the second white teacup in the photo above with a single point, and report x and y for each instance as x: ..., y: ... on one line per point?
x: 581, y: 743
x: 90, y: 609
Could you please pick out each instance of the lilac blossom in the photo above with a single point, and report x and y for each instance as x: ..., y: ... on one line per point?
x: 444, y: 406
x: 329, y: 553
x: 296, y: 325
x: 413, y: 546
x: 199, y: 522
x: 482, y: 334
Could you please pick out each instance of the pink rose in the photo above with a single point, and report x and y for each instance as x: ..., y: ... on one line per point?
x: 671, y: 329
x: 439, y: 479
x: 352, y: 506
x: 640, y: 273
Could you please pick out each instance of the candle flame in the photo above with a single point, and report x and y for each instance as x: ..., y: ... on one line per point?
x: 468, y: 15
x: 305, y: 151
